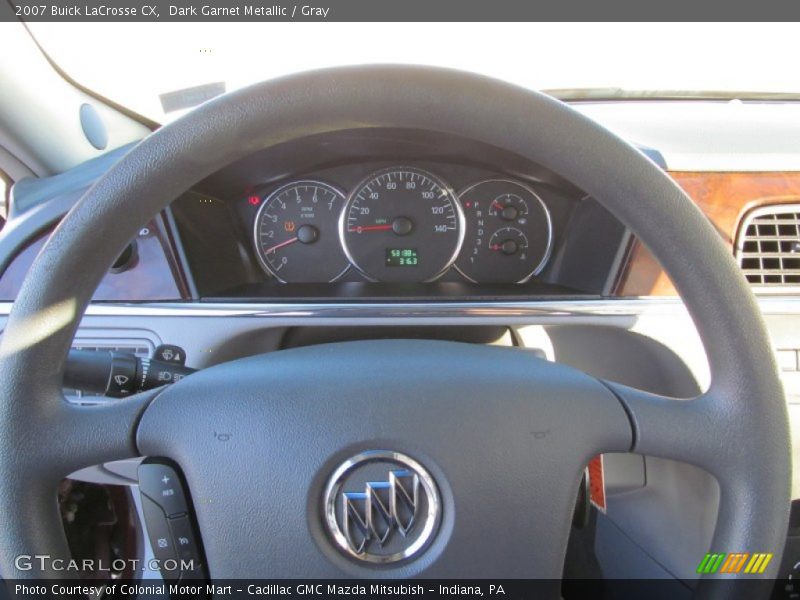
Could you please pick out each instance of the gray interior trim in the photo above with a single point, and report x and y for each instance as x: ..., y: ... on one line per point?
x: 13, y: 166
x: 44, y: 129
x: 33, y: 192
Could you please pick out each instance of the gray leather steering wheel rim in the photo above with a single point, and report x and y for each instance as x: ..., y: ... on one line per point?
x: 738, y: 430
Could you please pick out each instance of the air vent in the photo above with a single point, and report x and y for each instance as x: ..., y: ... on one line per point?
x: 768, y: 246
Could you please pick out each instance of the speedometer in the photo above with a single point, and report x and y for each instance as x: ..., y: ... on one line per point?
x: 402, y: 224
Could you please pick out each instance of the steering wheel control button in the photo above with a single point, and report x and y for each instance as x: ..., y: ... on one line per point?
x: 170, y: 354
x: 186, y: 547
x: 160, y: 536
x: 162, y: 485
x: 382, y: 507
x: 169, y: 522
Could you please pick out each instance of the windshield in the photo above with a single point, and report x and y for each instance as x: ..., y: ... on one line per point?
x: 159, y: 70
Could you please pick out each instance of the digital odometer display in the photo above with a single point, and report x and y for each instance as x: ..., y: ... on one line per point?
x: 402, y: 209
x: 401, y: 257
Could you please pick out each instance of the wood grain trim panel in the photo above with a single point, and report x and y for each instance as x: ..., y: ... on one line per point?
x: 724, y: 198
x: 154, y: 275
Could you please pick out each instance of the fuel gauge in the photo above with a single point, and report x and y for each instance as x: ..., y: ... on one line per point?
x: 508, y: 232
x: 509, y: 207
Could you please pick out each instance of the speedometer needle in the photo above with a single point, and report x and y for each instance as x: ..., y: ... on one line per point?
x: 359, y: 229
x: 281, y: 245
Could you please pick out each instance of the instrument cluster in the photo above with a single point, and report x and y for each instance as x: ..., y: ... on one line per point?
x: 402, y: 224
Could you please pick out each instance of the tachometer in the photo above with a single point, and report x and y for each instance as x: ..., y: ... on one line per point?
x: 508, y: 232
x: 295, y: 233
x: 402, y: 224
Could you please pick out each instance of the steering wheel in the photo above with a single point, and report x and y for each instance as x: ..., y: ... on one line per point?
x: 482, y: 448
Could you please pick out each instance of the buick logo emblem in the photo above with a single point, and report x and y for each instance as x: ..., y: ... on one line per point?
x: 381, y: 507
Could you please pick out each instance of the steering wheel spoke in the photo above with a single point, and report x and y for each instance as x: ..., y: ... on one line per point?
x: 698, y: 431
x: 69, y: 437
x: 104, y: 432
x: 49, y: 445
x: 679, y: 429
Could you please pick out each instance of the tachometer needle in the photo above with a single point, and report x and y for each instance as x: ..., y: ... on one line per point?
x: 281, y: 245
x: 359, y: 229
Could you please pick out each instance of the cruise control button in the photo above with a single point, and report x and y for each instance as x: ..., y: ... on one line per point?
x: 162, y: 485
x: 185, y: 543
x: 160, y: 536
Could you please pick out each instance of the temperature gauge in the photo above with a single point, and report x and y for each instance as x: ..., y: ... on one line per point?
x: 508, y: 232
x: 509, y: 241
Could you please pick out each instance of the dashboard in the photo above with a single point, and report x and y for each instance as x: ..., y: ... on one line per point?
x: 359, y: 215
x: 378, y: 213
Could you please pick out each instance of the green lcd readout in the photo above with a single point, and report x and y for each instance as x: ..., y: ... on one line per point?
x: 401, y: 257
